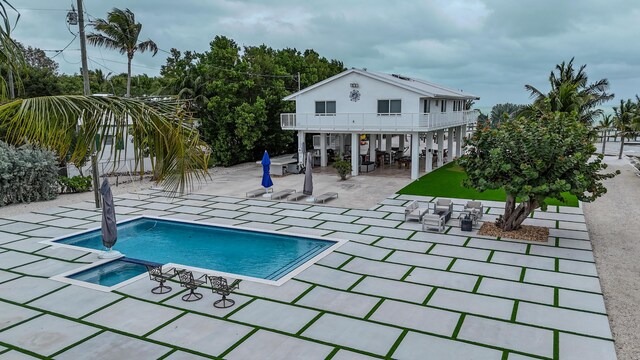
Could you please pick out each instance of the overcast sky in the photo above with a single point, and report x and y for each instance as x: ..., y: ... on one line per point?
x: 490, y: 48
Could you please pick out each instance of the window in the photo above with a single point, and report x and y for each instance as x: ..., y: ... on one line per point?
x: 443, y: 105
x: 325, y: 107
x: 389, y: 106
x: 427, y: 106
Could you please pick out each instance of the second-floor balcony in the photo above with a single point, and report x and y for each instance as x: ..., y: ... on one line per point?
x: 403, y: 122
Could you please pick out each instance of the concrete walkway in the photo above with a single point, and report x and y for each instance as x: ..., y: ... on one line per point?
x: 392, y: 291
x: 615, y: 231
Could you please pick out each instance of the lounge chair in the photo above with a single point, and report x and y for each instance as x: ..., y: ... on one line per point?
x: 414, y: 211
x: 219, y: 286
x: 433, y: 222
x: 281, y: 194
x: 326, y: 196
x: 187, y: 281
x: 443, y: 205
x: 474, y: 208
x: 297, y: 196
x: 156, y: 274
x: 258, y: 192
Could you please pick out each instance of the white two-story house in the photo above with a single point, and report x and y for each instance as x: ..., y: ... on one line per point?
x: 383, y: 106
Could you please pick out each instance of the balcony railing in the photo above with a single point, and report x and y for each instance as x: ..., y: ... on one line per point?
x: 376, y: 122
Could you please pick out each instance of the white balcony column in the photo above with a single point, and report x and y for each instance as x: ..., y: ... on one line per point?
x: 401, y: 144
x: 458, y: 141
x: 463, y: 132
x: 440, y: 147
x: 372, y: 147
x: 323, y: 149
x: 450, y: 144
x: 343, y: 139
x: 388, y: 145
x: 428, y: 159
x: 355, y: 153
x: 301, y: 148
x: 415, y: 155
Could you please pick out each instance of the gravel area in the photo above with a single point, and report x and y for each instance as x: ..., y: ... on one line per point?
x: 613, y: 224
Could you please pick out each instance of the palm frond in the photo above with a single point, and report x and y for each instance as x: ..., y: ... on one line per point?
x: 148, y: 45
x: 52, y: 121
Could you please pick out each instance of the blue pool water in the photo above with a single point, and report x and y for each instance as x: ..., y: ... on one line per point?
x: 243, y: 252
x: 111, y: 273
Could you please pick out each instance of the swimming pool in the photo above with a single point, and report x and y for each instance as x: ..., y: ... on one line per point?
x: 111, y: 273
x: 262, y: 255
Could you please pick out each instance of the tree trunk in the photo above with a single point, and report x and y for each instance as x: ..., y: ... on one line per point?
x: 129, y: 58
x: 621, y: 146
x: 514, y: 216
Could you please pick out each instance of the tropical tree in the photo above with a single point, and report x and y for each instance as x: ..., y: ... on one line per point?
x: 626, y: 120
x: 11, y: 60
x: 500, y: 112
x: 571, y: 91
x: 120, y: 31
x: 604, y: 125
x: 532, y: 159
x: 52, y: 121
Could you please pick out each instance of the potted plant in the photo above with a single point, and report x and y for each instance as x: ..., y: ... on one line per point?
x: 343, y: 167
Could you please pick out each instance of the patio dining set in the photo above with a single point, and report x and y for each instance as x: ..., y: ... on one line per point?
x: 441, y: 214
x: 219, y: 284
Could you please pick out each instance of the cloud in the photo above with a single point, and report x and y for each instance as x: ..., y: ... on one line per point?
x: 486, y: 47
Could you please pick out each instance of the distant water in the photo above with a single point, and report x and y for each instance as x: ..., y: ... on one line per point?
x: 608, y: 110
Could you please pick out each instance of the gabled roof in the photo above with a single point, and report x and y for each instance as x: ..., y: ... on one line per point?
x: 421, y: 87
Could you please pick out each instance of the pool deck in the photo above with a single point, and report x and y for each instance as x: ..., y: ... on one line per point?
x: 392, y: 291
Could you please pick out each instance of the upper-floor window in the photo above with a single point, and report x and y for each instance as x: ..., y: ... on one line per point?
x: 427, y: 106
x: 325, y: 107
x: 389, y: 106
x: 443, y: 105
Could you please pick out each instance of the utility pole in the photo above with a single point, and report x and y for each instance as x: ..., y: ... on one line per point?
x: 87, y: 92
x: 83, y: 50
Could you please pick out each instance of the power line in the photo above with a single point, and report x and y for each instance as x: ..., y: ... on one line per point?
x: 65, y: 48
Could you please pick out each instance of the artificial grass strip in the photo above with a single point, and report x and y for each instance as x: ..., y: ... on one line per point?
x: 446, y: 181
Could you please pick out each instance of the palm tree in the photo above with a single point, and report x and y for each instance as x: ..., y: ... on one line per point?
x: 626, y: 120
x: 11, y: 59
x: 120, y: 32
x: 570, y: 91
x: 51, y: 122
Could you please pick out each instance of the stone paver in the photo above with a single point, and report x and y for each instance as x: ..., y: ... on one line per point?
x: 338, y: 226
x: 286, y: 292
x: 390, y: 232
x: 472, y: 303
x: 357, y: 334
x: 6, y: 276
x: 414, y: 347
x: 133, y: 316
x: 336, y: 218
x: 292, y: 221
x: 334, y: 260
x: 361, y: 238
x: 528, y: 261
x: 12, y: 314
x: 20, y: 227
x: 47, y: 267
x: 27, y: 288
x: 393, y: 289
x: 112, y: 346
x: 339, y: 301
x: 574, y: 347
x: 487, y: 269
x: 576, y: 282
x: 274, y: 315
x: 75, y: 301
x: 564, y: 319
x: 442, y: 278
x: 516, y: 290
x: 415, y: 246
x: 423, y: 260
x: 417, y: 317
x: 46, y: 335
x: 377, y: 268
x: 328, y: 277
x: 365, y: 251
x: 11, y: 259
x: 266, y: 345
x: 522, y: 338
x: 460, y: 252
x: 581, y: 300
x: 202, y: 334
x: 578, y: 267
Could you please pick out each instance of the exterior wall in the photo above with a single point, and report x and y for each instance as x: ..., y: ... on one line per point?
x: 371, y: 91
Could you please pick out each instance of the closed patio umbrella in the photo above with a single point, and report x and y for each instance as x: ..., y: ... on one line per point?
x: 109, y: 225
x: 308, y: 177
x: 266, y: 178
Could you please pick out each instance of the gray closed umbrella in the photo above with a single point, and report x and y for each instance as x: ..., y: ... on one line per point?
x: 109, y: 226
x: 308, y: 179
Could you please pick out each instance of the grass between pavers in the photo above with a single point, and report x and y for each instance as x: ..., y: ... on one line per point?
x: 446, y: 182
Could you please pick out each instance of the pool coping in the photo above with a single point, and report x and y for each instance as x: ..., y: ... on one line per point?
x: 62, y: 277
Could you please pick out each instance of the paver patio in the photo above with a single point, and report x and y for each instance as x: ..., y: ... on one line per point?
x: 392, y: 291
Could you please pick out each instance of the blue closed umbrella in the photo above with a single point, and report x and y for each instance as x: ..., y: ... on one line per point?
x: 266, y: 178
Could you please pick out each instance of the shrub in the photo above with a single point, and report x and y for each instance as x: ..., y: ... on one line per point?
x: 27, y: 174
x: 343, y: 167
x: 74, y: 184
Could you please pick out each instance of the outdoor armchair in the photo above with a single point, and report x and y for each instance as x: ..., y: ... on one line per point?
x: 156, y: 274
x: 414, y: 212
x: 443, y: 205
x: 220, y: 286
x: 474, y: 208
x: 189, y: 282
